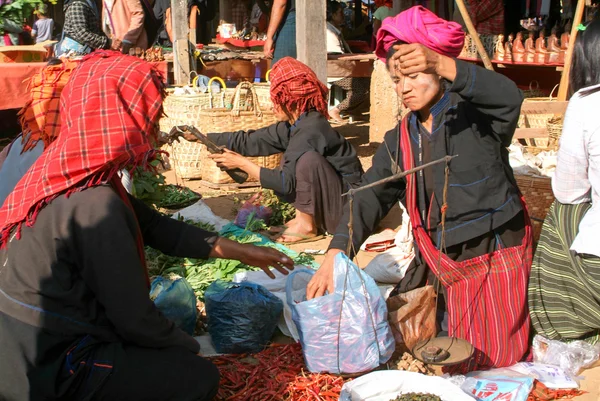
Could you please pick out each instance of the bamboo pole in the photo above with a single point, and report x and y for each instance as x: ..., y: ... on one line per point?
x: 473, y: 32
x: 563, y: 89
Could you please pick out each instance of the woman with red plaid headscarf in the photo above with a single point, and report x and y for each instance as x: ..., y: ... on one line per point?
x: 76, y: 319
x: 318, y: 163
x: 472, y: 210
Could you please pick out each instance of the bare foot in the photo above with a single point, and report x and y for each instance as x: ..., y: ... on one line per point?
x: 301, y: 228
x: 335, y: 115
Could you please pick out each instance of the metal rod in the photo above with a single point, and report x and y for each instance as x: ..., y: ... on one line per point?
x: 403, y: 174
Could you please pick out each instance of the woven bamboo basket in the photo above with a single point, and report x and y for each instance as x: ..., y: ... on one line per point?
x: 224, y: 120
x: 538, y: 195
x: 186, y: 158
x: 536, y: 145
x: 263, y: 92
x: 184, y: 109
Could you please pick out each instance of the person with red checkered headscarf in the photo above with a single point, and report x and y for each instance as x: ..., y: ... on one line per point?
x: 76, y: 319
x: 318, y: 163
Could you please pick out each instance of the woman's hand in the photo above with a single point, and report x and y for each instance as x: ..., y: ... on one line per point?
x: 416, y: 58
x: 115, y: 44
x: 229, y: 160
x: 263, y: 257
x: 322, y: 281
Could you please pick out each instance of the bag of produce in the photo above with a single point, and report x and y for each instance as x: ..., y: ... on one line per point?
x: 346, y: 331
x: 242, y: 317
x: 175, y: 298
x: 412, y: 316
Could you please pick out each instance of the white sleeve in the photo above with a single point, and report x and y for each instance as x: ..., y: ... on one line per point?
x: 333, y: 43
x: 570, y: 183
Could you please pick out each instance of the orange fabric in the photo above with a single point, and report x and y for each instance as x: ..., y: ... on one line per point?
x: 39, y: 118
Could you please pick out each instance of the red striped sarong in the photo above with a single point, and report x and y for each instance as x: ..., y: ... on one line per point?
x: 486, y: 296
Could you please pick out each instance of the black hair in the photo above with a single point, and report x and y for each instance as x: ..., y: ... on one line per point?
x: 332, y: 8
x: 391, y: 52
x: 585, y: 65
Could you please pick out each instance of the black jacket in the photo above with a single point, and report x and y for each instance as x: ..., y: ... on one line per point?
x: 311, y: 132
x: 476, y: 120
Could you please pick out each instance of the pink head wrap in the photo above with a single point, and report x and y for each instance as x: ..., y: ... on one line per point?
x: 419, y: 25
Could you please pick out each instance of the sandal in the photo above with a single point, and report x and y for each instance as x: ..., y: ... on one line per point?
x: 303, y: 238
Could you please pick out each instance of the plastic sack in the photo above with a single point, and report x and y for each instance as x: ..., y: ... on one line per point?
x: 200, y: 212
x: 343, y: 332
x: 571, y: 357
x: 498, y: 384
x: 386, y: 385
x: 550, y: 376
x: 242, y: 317
x: 412, y: 316
x: 391, y: 266
x: 276, y: 287
x: 252, y: 209
x: 176, y: 300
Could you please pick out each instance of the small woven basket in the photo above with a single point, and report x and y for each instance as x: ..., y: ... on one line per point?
x: 263, y: 92
x: 538, y: 195
x: 537, y: 145
x: 212, y: 174
x: 186, y: 158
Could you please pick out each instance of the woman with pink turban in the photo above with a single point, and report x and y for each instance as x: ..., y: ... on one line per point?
x: 478, y: 219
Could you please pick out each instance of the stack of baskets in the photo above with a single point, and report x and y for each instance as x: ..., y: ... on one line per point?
x: 237, y: 119
x: 537, y: 190
x: 184, y: 110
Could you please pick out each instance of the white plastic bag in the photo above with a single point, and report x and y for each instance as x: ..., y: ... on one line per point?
x: 200, y: 212
x: 498, y: 384
x: 571, y: 357
x: 346, y: 331
x: 277, y: 287
x: 386, y: 385
x: 550, y: 376
x: 390, y: 266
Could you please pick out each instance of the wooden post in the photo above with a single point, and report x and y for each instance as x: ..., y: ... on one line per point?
x: 563, y: 89
x: 474, y: 35
x: 311, y: 31
x: 224, y: 10
x: 182, y: 58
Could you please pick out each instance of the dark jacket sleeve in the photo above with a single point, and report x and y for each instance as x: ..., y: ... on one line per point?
x: 373, y: 204
x: 261, y: 142
x: 111, y: 267
x: 492, y: 94
x: 170, y: 236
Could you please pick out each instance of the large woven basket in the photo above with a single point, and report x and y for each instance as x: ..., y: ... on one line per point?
x: 236, y: 119
x: 538, y: 195
x: 224, y: 120
x: 186, y: 158
x: 184, y: 109
x: 263, y: 92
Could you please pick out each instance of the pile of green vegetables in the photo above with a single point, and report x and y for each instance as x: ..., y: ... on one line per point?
x: 150, y: 187
x: 417, y: 397
x: 200, y: 273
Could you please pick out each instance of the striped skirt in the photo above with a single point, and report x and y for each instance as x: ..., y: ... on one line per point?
x: 564, y: 288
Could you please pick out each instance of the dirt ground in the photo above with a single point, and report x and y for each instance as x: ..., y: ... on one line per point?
x: 222, y: 204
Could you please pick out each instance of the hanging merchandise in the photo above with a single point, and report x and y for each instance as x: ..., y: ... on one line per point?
x: 346, y: 331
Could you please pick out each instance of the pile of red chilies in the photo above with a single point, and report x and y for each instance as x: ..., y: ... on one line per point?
x: 277, y: 373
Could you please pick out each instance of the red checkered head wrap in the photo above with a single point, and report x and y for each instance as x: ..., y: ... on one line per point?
x: 295, y: 85
x: 109, y: 110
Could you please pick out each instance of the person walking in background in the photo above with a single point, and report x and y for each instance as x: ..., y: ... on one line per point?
x: 124, y: 20
x: 281, y: 33
x: 43, y: 26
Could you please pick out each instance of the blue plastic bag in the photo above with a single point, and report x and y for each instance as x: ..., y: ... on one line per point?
x: 343, y: 332
x: 242, y: 317
x: 176, y: 300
